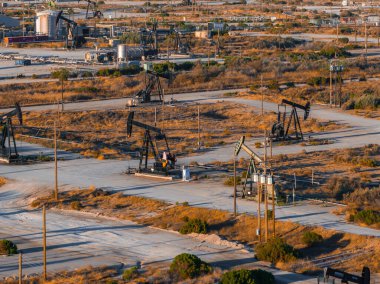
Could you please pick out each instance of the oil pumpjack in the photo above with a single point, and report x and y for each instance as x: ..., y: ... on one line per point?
x: 164, y: 160
x: 9, y: 151
x: 280, y: 129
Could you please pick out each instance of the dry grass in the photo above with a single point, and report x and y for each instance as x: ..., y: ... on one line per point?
x: 3, y: 181
x: 242, y: 228
x: 89, y: 132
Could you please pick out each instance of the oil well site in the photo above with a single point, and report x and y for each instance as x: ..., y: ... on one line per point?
x: 232, y: 142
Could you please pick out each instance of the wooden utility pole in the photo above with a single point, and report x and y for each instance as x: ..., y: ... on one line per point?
x: 44, y: 239
x: 55, y: 163
x: 331, y: 84
x: 366, y: 41
x: 199, y: 129
x: 20, y: 268
x: 262, y: 96
x: 259, y: 189
x: 235, y: 211
x: 337, y: 33
x: 265, y: 187
x: 62, y: 94
x: 273, y: 211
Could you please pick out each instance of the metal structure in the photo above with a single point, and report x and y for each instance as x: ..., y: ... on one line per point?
x: 94, y: 7
x: 280, y: 129
x: 336, y: 81
x: 152, y: 88
x: 164, y: 160
x: 347, y: 277
x: 71, y: 31
x: 8, y: 141
x: 252, y: 171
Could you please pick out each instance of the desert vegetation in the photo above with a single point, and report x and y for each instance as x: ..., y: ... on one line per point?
x: 88, y: 132
x: 223, y: 224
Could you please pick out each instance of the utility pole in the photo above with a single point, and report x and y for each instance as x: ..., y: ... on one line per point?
x: 235, y: 213
x: 155, y: 116
x: 331, y: 83
x: 366, y: 41
x: 265, y: 187
x: 20, y: 268
x: 44, y: 239
x: 62, y: 94
x: 259, y: 189
x: 262, y: 96
x: 294, y: 189
x: 55, y: 163
x: 199, y: 129
x: 337, y: 33
x: 273, y: 211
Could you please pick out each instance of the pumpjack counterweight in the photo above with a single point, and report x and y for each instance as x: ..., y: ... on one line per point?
x: 281, y: 128
x: 9, y: 151
x: 164, y: 159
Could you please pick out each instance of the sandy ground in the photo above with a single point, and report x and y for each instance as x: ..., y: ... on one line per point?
x: 81, y: 239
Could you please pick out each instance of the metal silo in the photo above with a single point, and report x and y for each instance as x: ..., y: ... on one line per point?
x: 122, y: 52
x: 45, y: 24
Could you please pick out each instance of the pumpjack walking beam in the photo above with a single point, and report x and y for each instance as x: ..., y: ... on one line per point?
x: 163, y: 162
x: 8, y: 141
x: 279, y: 132
x: 95, y: 13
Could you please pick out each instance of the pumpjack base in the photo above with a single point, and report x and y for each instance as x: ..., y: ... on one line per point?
x: 9, y: 160
x: 154, y: 176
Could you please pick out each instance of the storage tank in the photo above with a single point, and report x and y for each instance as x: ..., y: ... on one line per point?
x: 45, y: 24
x: 128, y: 53
x: 122, y: 52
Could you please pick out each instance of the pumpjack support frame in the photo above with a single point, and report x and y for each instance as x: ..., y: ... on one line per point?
x: 254, y: 162
x: 163, y: 161
x: 280, y: 129
x: 9, y: 151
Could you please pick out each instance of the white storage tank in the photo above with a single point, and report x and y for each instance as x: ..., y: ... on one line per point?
x: 122, y: 52
x: 45, y: 24
x: 128, y: 53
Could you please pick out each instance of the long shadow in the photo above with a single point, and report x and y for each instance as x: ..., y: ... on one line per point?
x: 301, y: 215
x: 83, y: 229
x: 326, y: 246
x: 39, y: 249
x: 229, y: 263
x: 220, y: 225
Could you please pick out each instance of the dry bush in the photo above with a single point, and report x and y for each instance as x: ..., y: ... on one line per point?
x: 3, y: 181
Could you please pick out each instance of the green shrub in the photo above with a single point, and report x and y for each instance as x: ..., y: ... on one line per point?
x: 188, y: 266
x: 244, y: 276
x: 311, y: 238
x: 194, y: 226
x: 368, y: 217
x: 7, y: 247
x: 230, y: 181
x: 130, y: 273
x: 275, y: 250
